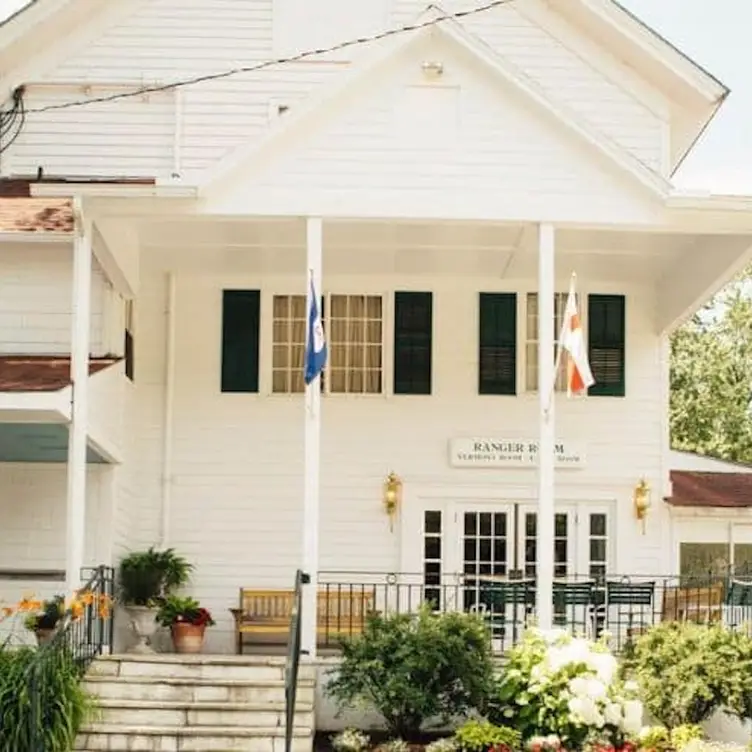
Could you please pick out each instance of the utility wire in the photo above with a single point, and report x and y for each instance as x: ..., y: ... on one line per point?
x: 150, y: 89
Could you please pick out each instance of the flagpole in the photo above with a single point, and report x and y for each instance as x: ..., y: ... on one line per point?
x: 312, y: 452
x: 546, y: 376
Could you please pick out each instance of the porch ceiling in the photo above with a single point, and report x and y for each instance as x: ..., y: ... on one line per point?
x: 277, y: 246
x: 39, y: 442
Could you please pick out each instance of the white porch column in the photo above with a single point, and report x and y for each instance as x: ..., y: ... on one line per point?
x: 546, y: 375
x: 78, y: 430
x: 312, y: 470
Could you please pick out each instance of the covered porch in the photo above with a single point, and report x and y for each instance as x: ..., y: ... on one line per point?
x: 185, y: 259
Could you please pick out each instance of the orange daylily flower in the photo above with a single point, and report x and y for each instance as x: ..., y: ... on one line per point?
x: 77, y: 610
x: 87, y: 598
x: 7, y: 611
x: 29, y: 604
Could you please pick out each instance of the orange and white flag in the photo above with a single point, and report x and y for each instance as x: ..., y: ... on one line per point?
x: 572, y: 342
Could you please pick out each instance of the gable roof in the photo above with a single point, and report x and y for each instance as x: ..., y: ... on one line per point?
x: 251, y: 155
x: 607, y: 21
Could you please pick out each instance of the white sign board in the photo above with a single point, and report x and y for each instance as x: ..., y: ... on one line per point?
x: 496, y: 453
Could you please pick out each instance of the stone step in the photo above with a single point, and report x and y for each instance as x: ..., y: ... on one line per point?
x: 169, y: 689
x: 117, y: 738
x: 258, y: 668
x: 181, y: 714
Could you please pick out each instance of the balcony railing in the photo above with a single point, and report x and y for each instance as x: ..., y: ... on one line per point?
x: 616, y: 607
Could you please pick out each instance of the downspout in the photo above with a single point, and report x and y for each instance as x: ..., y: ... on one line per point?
x: 169, y: 402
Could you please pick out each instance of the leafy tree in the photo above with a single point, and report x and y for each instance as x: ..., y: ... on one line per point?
x: 711, y: 376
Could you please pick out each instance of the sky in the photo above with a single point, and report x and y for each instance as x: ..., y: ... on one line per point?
x: 714, y: 34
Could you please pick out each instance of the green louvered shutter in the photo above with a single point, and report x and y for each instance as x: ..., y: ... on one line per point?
x: 497, y: 350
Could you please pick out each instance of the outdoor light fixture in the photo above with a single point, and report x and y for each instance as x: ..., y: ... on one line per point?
x: 642, y: 502
x: 392, y: 497
x: 432, y: 68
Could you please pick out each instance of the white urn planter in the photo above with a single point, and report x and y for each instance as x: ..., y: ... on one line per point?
x: 144, y: 624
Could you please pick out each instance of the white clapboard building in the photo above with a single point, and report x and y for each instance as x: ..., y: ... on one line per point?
x: 443, y: 181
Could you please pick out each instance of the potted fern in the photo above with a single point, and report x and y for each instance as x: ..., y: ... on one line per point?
x: 146, y: 578
x: 187, y: 621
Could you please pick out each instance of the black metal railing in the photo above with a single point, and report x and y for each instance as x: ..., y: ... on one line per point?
x: 84, y: 633
x: 292, y: 665
x: 616, y: 607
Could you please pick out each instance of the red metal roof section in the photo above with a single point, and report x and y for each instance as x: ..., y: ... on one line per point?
x: 31, y: 215
x: 20, y: 212
x: 41, y: 373
x: 725, y: 490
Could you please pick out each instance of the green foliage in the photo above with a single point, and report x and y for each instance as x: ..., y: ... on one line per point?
x: 711, y: 381
x: 148, y: 576
x: 175, y: 608
x: 480, y: 736
x: 655, y: 738
x: 41, y: 698
x: 682, y: 735
x: 413, y: 667
x: 48, y: 616
x: 686, y: 671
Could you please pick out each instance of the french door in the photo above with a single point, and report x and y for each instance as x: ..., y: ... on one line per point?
x: 501, y: 541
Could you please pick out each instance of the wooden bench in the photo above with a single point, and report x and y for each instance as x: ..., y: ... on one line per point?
x: 266, y: 614
x: 699, y: 604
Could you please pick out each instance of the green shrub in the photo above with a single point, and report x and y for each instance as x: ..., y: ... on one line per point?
x: 686, y: 672
x: 681, y: 736
x: 655, y: 738
x: 41, y: 698
x: 413, y: 667
x: 480, y: 736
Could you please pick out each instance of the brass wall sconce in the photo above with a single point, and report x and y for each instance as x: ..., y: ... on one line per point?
x: 642, y: 502
x: 392, y: 497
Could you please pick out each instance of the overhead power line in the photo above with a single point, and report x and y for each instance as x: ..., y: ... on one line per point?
x: 192, y: 81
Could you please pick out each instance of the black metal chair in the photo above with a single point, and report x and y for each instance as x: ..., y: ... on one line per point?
x: 506, y: 603
x: 574, y: 605
x: 629, y: 604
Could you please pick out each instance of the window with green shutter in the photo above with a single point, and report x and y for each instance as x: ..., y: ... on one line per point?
x: 413, y: 342
x: 606, y: 344
x: 240, y: 340
x: 497, y: 348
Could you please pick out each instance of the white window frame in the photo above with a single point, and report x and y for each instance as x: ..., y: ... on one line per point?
x: 522, y: 332
x: 386, y: 349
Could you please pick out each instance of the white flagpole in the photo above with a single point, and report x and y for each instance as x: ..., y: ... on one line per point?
x: 546, y: 375
x: 312, y: 461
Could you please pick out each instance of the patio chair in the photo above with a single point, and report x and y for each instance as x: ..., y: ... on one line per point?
x: 574, y: 605
x: 737, y: 607
x: 633, y: 606
x: 506, y: 604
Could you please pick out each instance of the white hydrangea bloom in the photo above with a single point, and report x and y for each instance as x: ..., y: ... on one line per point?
x: 632, y: 716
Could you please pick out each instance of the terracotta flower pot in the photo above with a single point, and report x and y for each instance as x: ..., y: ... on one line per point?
x: 188, y: 638
x: 44, y: 635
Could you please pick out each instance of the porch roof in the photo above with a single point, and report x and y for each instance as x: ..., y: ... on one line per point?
x: 36, y: 215
x: 35, y: 399
x: 41, y: 373
x: 710, y: 489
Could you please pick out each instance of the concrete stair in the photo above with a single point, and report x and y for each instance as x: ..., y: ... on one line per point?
x: 175, y: 703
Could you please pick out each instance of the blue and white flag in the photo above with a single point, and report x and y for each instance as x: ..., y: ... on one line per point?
x: 316, y: 351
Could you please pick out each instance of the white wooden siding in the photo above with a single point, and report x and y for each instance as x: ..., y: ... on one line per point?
x: 35, y: 300
x: 167, y: 40
x: 32, y: 510
x: 465, y: 146
x: 132, y: 137
x: 238, y: 459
